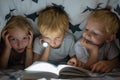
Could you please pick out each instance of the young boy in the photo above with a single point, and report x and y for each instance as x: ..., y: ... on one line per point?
x: 97, y: 50
x: 16, y: 51
x: 53, y: 24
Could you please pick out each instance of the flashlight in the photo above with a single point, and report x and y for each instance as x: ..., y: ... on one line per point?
x: 44, y: 43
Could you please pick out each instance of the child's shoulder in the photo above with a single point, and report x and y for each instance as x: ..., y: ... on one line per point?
x: 78, y: 44
x: 69, y: 36
x: 36, y: 40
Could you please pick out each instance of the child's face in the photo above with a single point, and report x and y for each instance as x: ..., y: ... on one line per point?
x: 94, y: 33
x: 18, y: 39
x: 55, y: 40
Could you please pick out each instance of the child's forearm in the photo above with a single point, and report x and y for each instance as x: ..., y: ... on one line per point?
x: 5, y: 57
x: 93, y: 58
x: 29, y: 57
x: 105, y: 65
x: 29, y: 51
x: 45, y: 54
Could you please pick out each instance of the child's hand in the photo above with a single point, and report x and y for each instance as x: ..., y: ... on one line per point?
x: 40, y: 39
x: 81, y: 64
x: 5, y: 36
x: 30, y: 35
x: 102, y: 66
x: 88, y: 45
x: 43, y: 42
x: 72, y: 61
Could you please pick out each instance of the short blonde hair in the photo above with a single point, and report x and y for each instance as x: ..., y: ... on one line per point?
x: 18, y: 22
x: 108, y: 20
x: 53, y: 19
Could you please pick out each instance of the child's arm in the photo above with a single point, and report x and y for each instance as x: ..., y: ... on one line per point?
x: 29, y: 51
x: 93, y: 52
x: 44, y: 53
x: 105, y: 65
x: 43, y: 56
x: 93, y: 58
x: 6, y: 51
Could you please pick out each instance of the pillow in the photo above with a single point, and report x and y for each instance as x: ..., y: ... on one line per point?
x: 115, y: 5
x: 78, y: 10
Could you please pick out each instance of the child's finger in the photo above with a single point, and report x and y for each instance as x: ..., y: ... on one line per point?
x: 31, y: 33
x: 70, y: 62
x: 96, y: 68
x: 7, y: 35
x: 40, y: 41
x: 93, y: 68
x: 3, y: 33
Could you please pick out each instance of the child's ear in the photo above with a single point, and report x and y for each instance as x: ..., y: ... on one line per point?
x: 112, y: 37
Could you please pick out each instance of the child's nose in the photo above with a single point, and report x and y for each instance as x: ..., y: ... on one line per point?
x: 20, y: 44
x: 87, y: 34
x: 53, y: 43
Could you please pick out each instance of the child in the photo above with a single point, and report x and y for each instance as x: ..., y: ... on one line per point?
x: 53, y: 24
x: 17, y: 37
x: 97, y: 50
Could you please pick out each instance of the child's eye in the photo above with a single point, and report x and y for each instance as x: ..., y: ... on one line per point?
x: 13, y: 39
x: 86, y: 30
x: 25, y: 38
x: 58, y: 38
x: 95, y: 34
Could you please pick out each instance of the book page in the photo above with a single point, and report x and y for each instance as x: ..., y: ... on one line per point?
x: 71, y: 71
x: 38, y: 75
x: 77, y: 71
x: 42, y: 70
x: 42, y: 67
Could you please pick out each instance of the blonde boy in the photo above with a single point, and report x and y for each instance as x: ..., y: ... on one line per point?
x: 53, y: 24
x: 97, y: 50
x: 17, y: 36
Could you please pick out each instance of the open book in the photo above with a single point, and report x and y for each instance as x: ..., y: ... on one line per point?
x: 45, y: 69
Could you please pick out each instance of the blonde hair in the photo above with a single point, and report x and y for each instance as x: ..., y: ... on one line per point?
x: 108, y: 20
x: 18, y: 22
x: 53, y: 19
